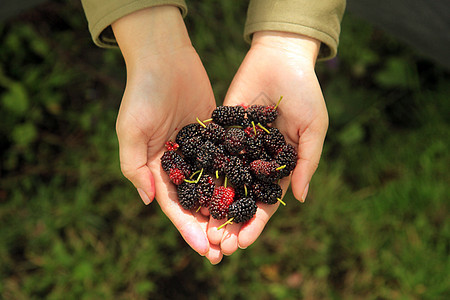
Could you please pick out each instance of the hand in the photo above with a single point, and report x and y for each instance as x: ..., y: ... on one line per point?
x: 280, y: 64
x: 167, y: 87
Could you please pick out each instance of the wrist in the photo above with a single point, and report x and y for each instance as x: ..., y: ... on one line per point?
x: 150, y: 32
x: 301, y: 46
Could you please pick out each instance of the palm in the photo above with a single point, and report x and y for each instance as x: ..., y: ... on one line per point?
x: 160, y: 99
x: 302, y: 119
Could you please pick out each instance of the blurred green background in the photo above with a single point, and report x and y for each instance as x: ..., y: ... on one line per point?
x: 375, y: 224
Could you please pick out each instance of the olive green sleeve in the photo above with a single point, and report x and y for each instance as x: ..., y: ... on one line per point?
x: 102, y: 13
x: 319, y: 19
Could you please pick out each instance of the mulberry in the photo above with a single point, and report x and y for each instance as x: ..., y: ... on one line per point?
x: 266, y: 171
x: 175, y: 166
x: 237, y: 173
x: 274, y: 141
x: 242, y: 210
x: 262, y: 114
x: 220, y: 201
x: 268, y: 193
x: 214, y: 133
x: 205, y: 190
x: 234, y: 140
x: 287, y: 156
x: 190, y: 146
x: 187, y: 195
x: 228, y: 115
x: 187, y: 132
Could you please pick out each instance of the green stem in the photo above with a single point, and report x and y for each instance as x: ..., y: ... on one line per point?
x: 280, y: 168
x: 193, y: 174
x: 200, y: 122
x: 199, y: 176
x: 278, y: 102
x: 254, y: 127
x: 263, y: 128
x: 226, y: 223
x: 281, y: 201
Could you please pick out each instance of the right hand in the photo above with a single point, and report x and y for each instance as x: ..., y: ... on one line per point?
x: 167, y: 88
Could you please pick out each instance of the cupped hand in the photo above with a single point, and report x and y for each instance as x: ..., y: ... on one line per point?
x: 167, y: 88
x: 280, y: 64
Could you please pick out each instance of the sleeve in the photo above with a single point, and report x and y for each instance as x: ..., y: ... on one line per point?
x: 319, y: 19
x: 101, y: 14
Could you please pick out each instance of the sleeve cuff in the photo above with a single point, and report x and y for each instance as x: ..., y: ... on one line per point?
x: 101, y: 14
x: 317, y: 19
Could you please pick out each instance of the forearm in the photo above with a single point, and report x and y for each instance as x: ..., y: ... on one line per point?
x: 297, y: 45
x: 100, y: 14
x: 150, y: 32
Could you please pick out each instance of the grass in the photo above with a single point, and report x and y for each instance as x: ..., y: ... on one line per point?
x: 374, y: 225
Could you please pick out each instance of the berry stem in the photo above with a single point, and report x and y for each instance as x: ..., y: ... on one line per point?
x: 226, y: 223
x: 225, y: 183
x: 217, y: 174
x: 207, y: 120
x: 199, y: 176
x: 278, y: 102
x: 245, y: 190
x: 193, y: 174
x: 190, y: 181
x: 254, y: 127
x: 280, y: 168
x: 198, y: 209
x: 200, y: 122
x: 281, y: 201
x: 263, y: 128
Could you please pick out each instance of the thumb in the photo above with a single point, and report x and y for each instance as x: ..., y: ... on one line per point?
x: 309, y: 152
x: 133, y: 153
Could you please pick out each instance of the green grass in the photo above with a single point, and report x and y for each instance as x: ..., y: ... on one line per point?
x: 374, y: 226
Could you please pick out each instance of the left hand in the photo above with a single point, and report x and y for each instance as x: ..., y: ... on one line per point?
x: 279, y: 64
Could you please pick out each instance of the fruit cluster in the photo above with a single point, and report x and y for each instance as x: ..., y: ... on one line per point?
x: 239, y: 145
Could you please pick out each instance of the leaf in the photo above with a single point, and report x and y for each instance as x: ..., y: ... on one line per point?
x: 351, y: 134
x: 144, y: 287
x: 24, y: 134
x: 396, y: 73
x: 83, y: 270
x: 16, y: 99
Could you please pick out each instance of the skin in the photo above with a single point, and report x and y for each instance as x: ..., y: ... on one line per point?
x: 280, y: 64
x: 167, y: 88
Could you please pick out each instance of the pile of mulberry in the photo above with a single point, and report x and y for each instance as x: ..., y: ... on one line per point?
x: 238, y: 148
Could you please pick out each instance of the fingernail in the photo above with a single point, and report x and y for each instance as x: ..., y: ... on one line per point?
x: 243, y: 248
x: 305, y: 193
x: 144, y: 196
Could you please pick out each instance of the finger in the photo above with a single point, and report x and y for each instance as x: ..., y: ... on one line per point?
x: 250, y: 231
x: 214, y: 254
x: 309, y: 152
x: 229, y: 243
x: 215, y: 234
x: 133, y: 155
x: 205, y: 211
x: 190, y: 225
